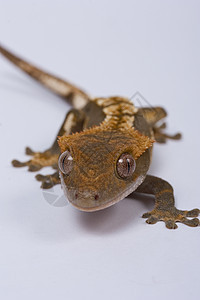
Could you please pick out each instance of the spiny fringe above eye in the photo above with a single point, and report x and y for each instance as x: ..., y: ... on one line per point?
x: 131, y: 138
x: 118, y: 124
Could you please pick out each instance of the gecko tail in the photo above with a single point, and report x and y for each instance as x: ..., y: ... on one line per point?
x: 72, y: 94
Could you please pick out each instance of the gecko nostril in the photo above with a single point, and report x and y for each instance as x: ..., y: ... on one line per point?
x: 96, y: 197
x: 76, y: 195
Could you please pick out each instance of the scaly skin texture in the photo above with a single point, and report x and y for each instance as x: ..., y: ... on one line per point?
x: 96, y: 151
x: 96, y: 133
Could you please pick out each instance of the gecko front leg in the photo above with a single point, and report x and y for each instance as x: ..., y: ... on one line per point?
x: 165, y: 209
x: 162, y: 137
x: 153, y: 115
x: 48, y: 181
x: 39, y: 160
x: 74, y: 121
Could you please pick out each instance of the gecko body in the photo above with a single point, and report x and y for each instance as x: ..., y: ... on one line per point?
x: 103, y: 151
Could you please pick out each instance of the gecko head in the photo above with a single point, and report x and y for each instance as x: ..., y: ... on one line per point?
x: 100, y: 167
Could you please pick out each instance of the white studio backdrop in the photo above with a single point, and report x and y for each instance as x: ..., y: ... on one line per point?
x: 107, y: 48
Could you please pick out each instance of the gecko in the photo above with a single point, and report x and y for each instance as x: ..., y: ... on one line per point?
x: 103, y: 151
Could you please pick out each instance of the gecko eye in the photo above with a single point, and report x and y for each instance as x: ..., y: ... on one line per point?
x: 125, y: 165
x: 65, y: 162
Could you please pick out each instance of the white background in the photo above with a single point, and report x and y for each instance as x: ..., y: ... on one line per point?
x: 108, y: 48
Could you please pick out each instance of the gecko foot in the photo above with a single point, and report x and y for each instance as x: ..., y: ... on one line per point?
x: 161, y: 137
x: 48, y: 181
x: 172, y: 215
x: 38, y: 161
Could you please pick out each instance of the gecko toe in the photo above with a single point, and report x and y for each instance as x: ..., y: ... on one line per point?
x: 152, y: 220
x: 47, y: 184
x: 192, y: 223
x: 146, y: 215
x: 170, y: 224
x: 34, y: 168
x: 18, y: 164
x: 193, y: 213
x: 40, y: 177
x: 46, y: 180
x: 177, y: 136
x: 29, y: 151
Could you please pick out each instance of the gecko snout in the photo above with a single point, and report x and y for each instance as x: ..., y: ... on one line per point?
x: 87, y: 199
x: 84, y: 199
x: 86, y: 194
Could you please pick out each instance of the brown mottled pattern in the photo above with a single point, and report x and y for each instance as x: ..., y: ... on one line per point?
x: 97, y: 133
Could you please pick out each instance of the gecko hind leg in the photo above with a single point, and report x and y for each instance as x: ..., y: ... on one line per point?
x: 165, y: 209
x: 153, y: 115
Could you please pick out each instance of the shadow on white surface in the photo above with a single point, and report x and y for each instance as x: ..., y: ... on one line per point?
x: 117, y: 217
x: 37, y: 218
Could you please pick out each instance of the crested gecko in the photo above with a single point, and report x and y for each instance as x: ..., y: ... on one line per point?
x: 103, y: 151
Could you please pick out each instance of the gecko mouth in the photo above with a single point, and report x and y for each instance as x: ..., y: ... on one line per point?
x: 90, y: 201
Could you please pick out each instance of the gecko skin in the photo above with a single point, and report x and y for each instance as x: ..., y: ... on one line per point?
x: 102, y: 152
